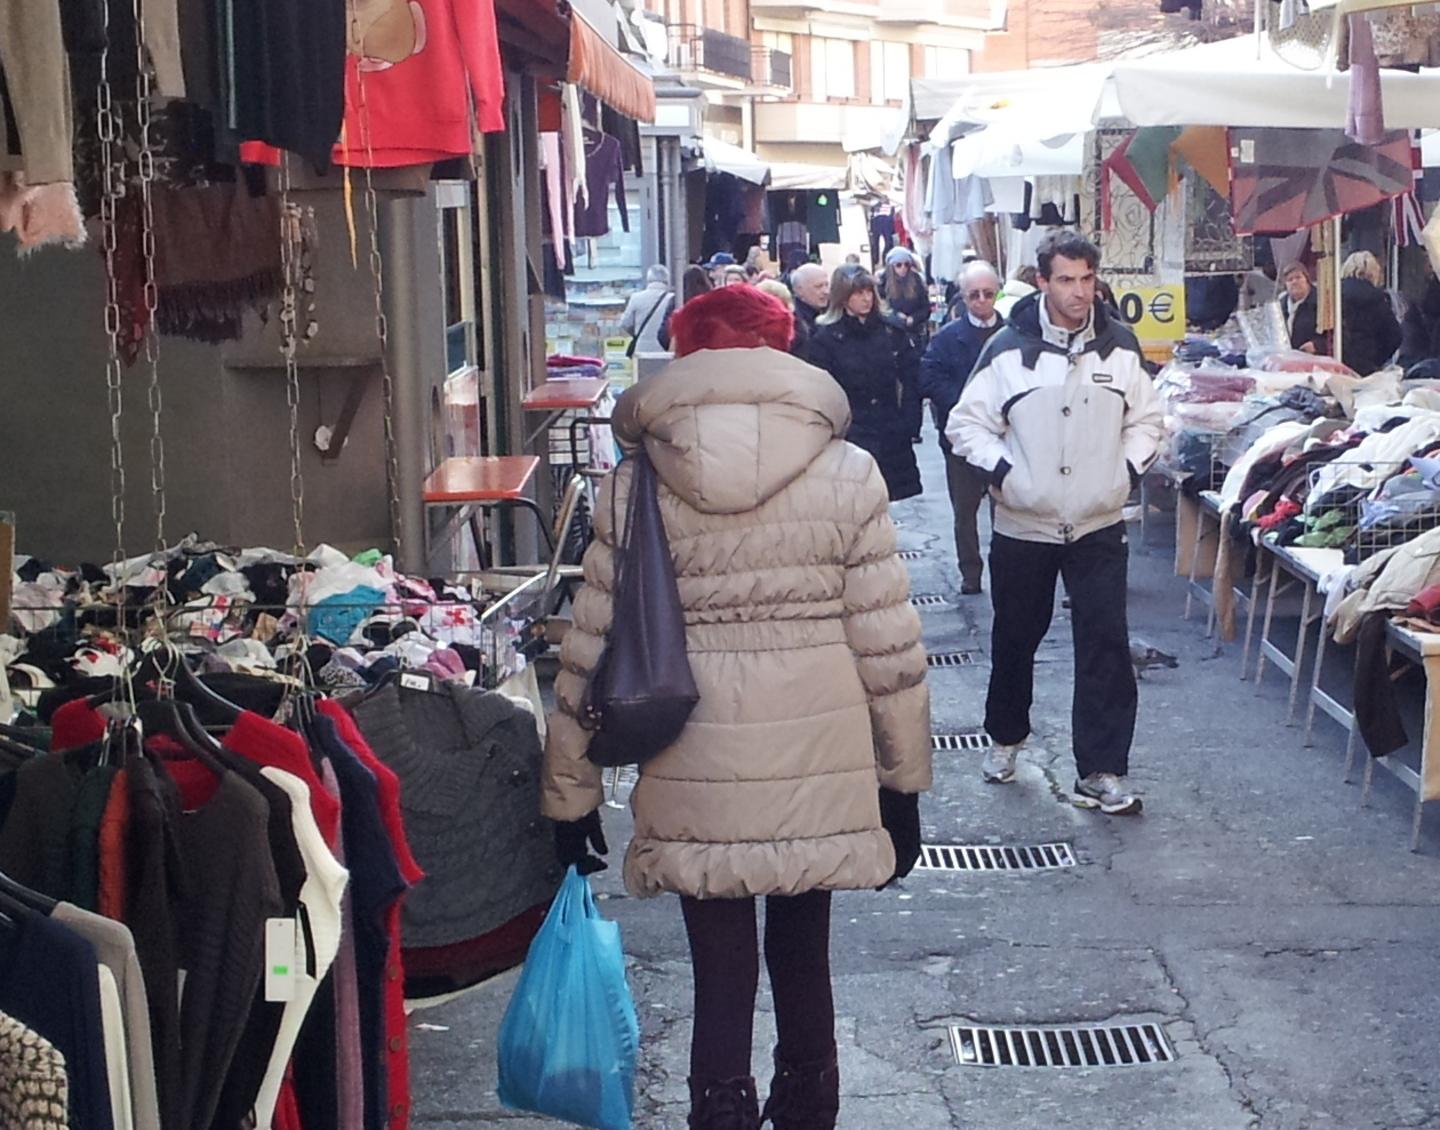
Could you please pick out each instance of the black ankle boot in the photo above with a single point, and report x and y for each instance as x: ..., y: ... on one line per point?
x: 804, y: 1096
x: 724, y: 1104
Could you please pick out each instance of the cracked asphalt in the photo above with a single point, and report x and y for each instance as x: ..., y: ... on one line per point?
x: 1283, y: 936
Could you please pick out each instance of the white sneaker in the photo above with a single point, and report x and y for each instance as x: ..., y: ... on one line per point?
x: 1108, y: 793
x: 999, y: 765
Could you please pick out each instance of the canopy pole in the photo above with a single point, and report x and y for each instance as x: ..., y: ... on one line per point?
x: 1339, y: 346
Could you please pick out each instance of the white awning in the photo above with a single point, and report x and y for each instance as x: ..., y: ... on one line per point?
x: 785, y: 174
x: 1070, y: 95
x: 1002, y: 151
x: 1242, y: 82
x: 722, y: 157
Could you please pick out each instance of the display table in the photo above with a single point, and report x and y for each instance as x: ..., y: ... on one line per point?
x: 1305, y: 567
x: 1201, y: 519
x: 475, y: 483
x: 1422, y: 648
x: 556, y: 397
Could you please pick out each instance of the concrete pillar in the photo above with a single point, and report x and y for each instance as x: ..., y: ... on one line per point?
x: 406, y: 353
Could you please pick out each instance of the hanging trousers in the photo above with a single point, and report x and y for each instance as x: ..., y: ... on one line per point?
x: 969, y: 486
x: 725, y: 959
x: 1022, y: 586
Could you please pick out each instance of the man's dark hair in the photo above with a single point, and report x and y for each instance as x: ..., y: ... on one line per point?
x: 1068, y: 245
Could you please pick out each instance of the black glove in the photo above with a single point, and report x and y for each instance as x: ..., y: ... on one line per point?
x: 574, y: 838
x: 900, y: 816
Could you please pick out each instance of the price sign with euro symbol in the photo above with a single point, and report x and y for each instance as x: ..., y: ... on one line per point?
x: 1155, y: 313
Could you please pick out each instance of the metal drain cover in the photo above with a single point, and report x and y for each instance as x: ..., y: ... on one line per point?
x: 930, y: 600
x: 1111, y: 1045
x: 953, y: 658
x: 961, y: 743
x: 910, y: 554
x: 995, y: 857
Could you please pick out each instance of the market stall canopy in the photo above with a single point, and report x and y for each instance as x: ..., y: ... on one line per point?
x: 604, y: 72
x: 1242, y: 82
x: 1005, y: 150
x: 555, y: 38
x: 1069, y: 95
x: 785, y: 174
x: 722, y: 157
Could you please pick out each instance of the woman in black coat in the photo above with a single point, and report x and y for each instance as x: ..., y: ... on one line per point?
x: 1370, y: 332
x: 905, y: 291
x: 1420, y: 333
x: 875, y: 361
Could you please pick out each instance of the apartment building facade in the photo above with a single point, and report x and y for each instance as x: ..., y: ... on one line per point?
x: 807, y: 80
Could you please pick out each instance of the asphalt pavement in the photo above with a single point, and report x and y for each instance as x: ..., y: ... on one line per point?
x: 1283, y: 938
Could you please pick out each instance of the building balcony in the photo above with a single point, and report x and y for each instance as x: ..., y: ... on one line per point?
x: 978, y: 14
x: 986, y: 15
x: 771, y: 70
x: 710, y: 58
x: 858, y: 125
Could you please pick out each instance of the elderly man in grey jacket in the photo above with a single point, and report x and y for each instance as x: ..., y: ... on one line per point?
x: 647, y: 310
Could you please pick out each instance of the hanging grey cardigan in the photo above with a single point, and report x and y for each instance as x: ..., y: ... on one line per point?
x: 469, y: 769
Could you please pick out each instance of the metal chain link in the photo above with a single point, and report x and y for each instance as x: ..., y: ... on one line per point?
x: 289, y: 262
x: 112, y: 175
x: 382, y: 324
x: 146, y: 162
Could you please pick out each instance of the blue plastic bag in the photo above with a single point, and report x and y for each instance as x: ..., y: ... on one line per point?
x: 570, y: 1036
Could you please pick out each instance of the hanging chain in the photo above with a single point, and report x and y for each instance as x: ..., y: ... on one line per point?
x: 382, y: 324
x: 289, y: 262
x: 146, y: 164
x: 112, y: 175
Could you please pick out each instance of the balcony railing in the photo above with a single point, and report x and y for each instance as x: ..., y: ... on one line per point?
x: 704, y: 49
x: 770, y: 67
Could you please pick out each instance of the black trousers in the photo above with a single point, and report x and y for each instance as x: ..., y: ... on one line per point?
x: 969, y: 486
x: 1022, y: 586
x: 725, y: 960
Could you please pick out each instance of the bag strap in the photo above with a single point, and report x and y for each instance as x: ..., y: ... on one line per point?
x: 634, y: 341
x: 642, y: 468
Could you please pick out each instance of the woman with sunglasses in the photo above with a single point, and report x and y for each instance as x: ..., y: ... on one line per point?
x: 903, y: 287
x: 874, y: 359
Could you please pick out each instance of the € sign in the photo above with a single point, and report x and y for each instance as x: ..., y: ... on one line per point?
x: 1155, y: 313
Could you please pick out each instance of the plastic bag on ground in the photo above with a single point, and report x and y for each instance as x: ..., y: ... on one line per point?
x: 569, y: 1039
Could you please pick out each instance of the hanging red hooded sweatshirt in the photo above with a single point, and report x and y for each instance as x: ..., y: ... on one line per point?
x: 412, y: 77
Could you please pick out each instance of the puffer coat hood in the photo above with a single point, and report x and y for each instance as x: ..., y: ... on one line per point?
x: 725, y: 443
x: 800, y: 634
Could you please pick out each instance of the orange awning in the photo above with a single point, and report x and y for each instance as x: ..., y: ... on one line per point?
x: 607, y: 74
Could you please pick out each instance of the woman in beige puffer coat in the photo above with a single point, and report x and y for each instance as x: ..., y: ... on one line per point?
x: 811, y: 674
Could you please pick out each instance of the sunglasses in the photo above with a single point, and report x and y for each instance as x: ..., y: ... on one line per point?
x: 977, y: 295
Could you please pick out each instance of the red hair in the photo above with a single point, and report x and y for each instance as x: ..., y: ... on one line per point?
x: 732, y: 317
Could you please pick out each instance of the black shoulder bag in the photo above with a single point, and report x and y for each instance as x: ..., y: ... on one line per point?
x: 642, y: 689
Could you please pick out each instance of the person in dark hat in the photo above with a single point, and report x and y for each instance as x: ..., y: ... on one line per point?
x: 716, y: 266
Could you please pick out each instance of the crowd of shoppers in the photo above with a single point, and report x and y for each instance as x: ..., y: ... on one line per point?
x: 800, y: 770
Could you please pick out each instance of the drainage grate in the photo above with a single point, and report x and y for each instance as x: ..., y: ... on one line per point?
x: 911, y: 554
x: 929, y: 600
x: 953, y: 658
x: 997, y: 857
x: 961, y: 743
x: 1111, y: 1045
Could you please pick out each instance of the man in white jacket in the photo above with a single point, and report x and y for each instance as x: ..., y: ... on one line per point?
x: 1062, y: 416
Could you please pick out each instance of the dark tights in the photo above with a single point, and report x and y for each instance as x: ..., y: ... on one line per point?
x: 726, y: 963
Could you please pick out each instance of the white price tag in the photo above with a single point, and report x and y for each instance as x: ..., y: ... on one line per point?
x: 281, y: 954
